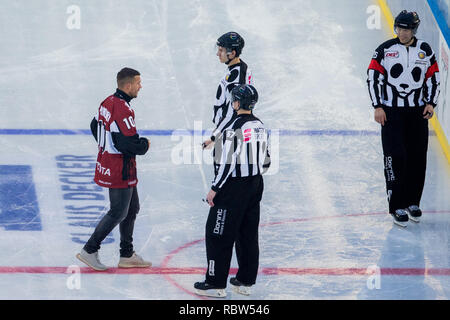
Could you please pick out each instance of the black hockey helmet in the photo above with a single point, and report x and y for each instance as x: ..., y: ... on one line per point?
x: 246, y: 94
x: 231, y: 41
x: 407, y: 20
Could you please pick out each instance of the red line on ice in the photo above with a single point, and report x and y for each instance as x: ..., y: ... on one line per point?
x: 167, y: 272
x: 263, y: 271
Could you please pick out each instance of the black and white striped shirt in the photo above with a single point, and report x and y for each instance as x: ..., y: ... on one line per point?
x: 401, y: 76
x: 223, y: 110
x: 245, y: 150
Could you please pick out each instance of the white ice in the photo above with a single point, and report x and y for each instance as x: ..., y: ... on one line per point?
x: 323, y: 215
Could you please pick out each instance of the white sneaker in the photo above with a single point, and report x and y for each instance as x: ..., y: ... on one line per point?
x: 135, y: 261
x: 92, y: 260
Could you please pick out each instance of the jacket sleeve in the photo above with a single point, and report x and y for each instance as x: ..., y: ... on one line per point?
x: 228, y: 115
x: 227, y: 106
x: 130, y: 145
x: 267, y: 161
x: 432, y: 79
x: 94, y: 128
x: 376, y: 74
x: 232, y: 140
x: 217, y: 133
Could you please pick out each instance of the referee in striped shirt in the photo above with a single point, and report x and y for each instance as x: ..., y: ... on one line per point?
x: 403, y: 82
x: 235, y: 198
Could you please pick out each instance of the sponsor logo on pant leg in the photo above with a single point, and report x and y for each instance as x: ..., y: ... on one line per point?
x: 389, y: 170
x: 220, y: 221
x: 211, y: 268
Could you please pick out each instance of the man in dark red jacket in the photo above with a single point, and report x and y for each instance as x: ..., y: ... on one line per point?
x: 115, y: 131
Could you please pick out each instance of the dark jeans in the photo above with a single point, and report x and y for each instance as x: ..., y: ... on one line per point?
x: 123, y: 210
x: 234, y: 220
x: 405, y: 143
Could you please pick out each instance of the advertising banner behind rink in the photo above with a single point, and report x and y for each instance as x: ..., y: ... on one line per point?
x: 441, y: 123
x: 434, y: 22
x: 443, y: 109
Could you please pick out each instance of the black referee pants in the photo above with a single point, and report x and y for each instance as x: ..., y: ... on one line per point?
x: 124, y: 208
x: 405, y: 143
x: 234, y: 219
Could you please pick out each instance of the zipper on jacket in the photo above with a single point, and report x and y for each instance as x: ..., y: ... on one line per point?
x: 407, y: 57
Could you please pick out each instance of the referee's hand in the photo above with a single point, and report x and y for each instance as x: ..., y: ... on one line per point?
x: 209, y: 197
x: 428, y: 111
x: 207, y: 144
x: 380, y: 116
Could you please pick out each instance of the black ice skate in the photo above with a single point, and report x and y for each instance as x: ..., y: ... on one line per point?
x: 239, y: 287
x: 400, y: 217
x: 205, y: 289
x: 414, y: 213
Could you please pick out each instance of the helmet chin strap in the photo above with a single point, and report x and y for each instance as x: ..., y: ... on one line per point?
x: 229, y: 60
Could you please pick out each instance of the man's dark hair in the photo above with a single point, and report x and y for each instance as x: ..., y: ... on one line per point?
x: 126, y: 75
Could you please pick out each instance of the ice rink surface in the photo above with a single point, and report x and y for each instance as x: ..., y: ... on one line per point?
x: 325, y: 232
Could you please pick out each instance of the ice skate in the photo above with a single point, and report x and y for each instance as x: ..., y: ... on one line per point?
x: 239, y: 287
x: 400, y: 217
x: 135, y: 261
x: 205, y: 289
x: 414, y: 213
x: 92, y: 260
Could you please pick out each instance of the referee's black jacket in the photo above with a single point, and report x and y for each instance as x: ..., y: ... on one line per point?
x: 245, y: 150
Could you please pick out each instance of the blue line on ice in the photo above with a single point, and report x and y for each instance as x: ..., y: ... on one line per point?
x: 184, y: 132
